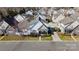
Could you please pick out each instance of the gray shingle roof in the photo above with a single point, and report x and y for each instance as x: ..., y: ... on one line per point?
x: 76, y: 30
x: 67, y: 20
x: 74, y: 16
x: 56, y: 15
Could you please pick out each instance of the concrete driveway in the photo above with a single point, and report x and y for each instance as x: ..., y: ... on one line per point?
x: 56, y: 37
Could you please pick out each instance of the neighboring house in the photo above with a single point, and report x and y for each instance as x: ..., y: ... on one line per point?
x: 29, y: 13
x: 11, y: 21
x: 61, y: 11
x: 1, y: 32
x: 23, y: 25
x: 71, y: 12
x: 12, y: 25
x: 75, y: 16
x: 76, y: 30
x: 57, y: 16
x: 69, y: 22
x: 11, y: 30
x: 49, y: 11
x: 65, y: 22
x: 19, y: 18
x: 71, y: 27
x: 42, y: 11
x: 1, y: 23
x: 3, y: 27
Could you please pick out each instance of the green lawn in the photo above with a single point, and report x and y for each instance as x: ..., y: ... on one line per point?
x: 65, y: 37
x: 19, y: 38
x: 46, y: 37
x: 16, y: 37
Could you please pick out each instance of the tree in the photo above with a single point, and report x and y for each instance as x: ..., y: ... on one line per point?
x: 22, y: 11
x: 12, y: 13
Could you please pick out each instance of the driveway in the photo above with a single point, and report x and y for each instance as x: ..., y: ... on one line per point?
x: 56, y: 37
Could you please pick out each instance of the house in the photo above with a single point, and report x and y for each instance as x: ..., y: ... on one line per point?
x: 1, y: 32
x: 10, y: 30
x: 10, y: 24
x: 65, y: 22
x: 18, y: 26
x: 71, y: 27
x: 36, y: 25
x: 3, y: 27
x: 57, y: 16
x: 42, y: 11
x: 76, y: 30
x: 11, y: 21
x: 29, y: 13
x: 71, y: 11
x: 19, y: 18
x: 49, y: 11
x: 69, y: 21
x: 23, y: 25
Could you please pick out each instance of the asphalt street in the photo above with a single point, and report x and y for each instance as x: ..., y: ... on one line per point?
x: 39, y: 46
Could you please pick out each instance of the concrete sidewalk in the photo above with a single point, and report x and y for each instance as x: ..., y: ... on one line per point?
x: 56, y: 37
